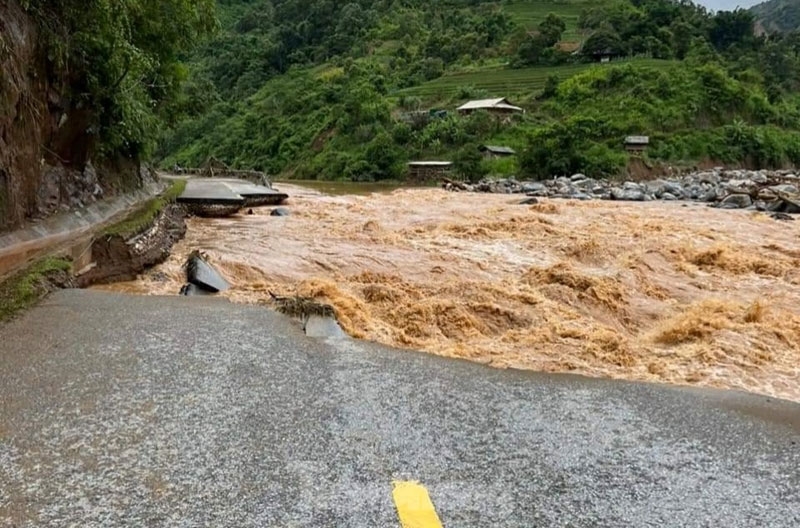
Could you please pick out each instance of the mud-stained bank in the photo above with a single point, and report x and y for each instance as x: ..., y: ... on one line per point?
x: 666, y: 292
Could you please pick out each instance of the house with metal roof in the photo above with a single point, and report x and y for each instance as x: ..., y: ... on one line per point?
x: 637, y: 143
x: 493, y: 151
x: 496, y: 106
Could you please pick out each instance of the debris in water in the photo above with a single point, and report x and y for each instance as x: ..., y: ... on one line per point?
x: 301, y: 307
x: 200, y: 273
x: 782, y: 216
x: 192, y: 290
x: 280, y: 211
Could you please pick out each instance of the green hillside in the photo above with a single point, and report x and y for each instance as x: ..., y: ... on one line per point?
x: 319, y: 89
x: 502, y: 81
x: 778, y: 15
x: 531, y: 13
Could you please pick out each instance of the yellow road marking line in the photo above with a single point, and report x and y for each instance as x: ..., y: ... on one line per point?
x: 414, y: 506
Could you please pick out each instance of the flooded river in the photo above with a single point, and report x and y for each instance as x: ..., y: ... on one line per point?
x: 667, y: 292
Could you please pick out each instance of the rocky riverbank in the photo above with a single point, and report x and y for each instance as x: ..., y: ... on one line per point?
x: 775, y: 191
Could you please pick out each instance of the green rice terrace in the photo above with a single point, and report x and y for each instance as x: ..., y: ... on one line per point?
x: 503, y: 81
x: 531, y: 13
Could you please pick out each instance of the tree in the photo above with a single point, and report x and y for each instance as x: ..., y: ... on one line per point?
x: 731, y: 27
x: 603, y: 42
x: 122, y: 61
x: 468, y: 163
x: 550, y: 86
x: 551, y: 29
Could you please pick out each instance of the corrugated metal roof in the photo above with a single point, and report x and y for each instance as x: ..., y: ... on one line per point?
x: 430, y: 163
x: 488, y: 104
x: 637, y: 140
x: 498, y: 150
x: 481, y: 103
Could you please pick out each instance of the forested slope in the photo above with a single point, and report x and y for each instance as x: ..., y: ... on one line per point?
x: 323, y: 89
x: 84, y: 88
x: 778, y: 15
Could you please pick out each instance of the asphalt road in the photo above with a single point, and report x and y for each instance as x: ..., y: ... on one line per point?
x: 135, y: 411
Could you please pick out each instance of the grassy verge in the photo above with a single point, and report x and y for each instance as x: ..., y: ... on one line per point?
x: 143, y: 217
x: 27, y: 287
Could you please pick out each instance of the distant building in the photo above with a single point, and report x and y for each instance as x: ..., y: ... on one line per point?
x: 637, y: 143
x: 604, y: 55
x: 493, y: 152
x: 499, y: 106
x: 423, y: 171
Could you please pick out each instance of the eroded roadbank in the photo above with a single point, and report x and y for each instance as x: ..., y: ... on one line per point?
x: 151, y: 411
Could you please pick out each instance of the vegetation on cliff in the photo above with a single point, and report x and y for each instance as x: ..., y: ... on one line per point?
x: 120, y: 61
x: 85, y: 87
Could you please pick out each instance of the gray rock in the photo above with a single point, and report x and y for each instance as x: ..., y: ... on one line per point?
x: 631, y: 186
x: 736, y: 201
x: 672, y: 188
x: 529, y: 201
x: 712, y: 177
x: 533, y: 187
x: 668, y: 197
x: 784, y: 188
x: 578, y: 177
x: 280, y: 211
x: 627, y: 195
x: 563, y: 180
x: 654, y: 188
x: 708, y: 196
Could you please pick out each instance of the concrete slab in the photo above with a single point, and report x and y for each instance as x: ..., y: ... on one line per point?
x: 256, y: 195
x: 317, y: 326
x: 208, y: 191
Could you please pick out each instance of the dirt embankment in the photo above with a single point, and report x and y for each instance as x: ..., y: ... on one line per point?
x: 122, y: 257
x: 46, y: 144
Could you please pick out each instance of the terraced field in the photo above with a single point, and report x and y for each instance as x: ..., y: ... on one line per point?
x: 501, y: 82
x: 531, y: 12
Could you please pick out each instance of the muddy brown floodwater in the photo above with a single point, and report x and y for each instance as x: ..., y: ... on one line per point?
x: 665, y: 292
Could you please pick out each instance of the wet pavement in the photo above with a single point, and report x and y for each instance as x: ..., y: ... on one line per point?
x: 149, y: 411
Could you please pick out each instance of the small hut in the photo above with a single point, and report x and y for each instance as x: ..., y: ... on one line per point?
x: 637, y: 143
x: 494, y: 152
x: 422, y: 171
x: 499, y: 106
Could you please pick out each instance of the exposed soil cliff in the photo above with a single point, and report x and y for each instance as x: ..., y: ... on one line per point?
x: 46, y: 141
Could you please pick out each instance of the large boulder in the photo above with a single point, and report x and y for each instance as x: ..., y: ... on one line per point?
x: 534, y: 188
x: 630, y: 195
x: 784, y: 188
x: 736, y: 201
